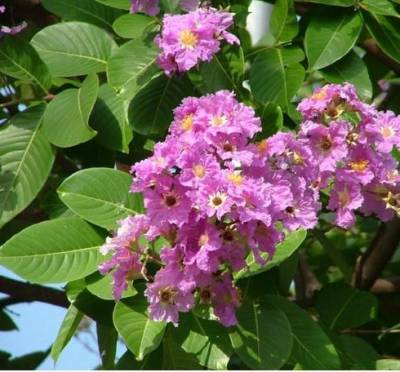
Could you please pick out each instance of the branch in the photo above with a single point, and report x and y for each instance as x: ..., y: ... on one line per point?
x: 26, y: 292
x: 371, y: 264
x: 306, y: 282
x: 386, y: 286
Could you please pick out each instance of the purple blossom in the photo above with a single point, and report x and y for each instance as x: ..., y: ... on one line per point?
x: 188, y: 39
x: 149, y: 7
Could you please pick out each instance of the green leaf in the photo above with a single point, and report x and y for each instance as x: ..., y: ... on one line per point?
x: 110, y: 120
x: 26, y: 362
x: 132, y: 26
x: 101, y: 286
x: 284, y: 250
x: 6, y: 322
x: 356, y: 353
x: 26, y: 158
x: 208, y: 340
x: 271, y: 119
x: 74, y: 48
x: 312, y: 348
x: 283, y: 23
x: 388, y: 364
x: 131, y: 66
x: 83, y: 10
x: 140, y: 334
x: 119, y: 4
x: 174, y: 358
x: 66, y: 120
x: 152, y: 361
x: 55, y: 251
x: 21, y: 61
x: 68, y: 328
x: 386, y: 32
x: 342, y: 3
x: 225, y: 71
x: 350, y: 69
x: 95, y: 308
x: 150, y: 112
x: 331, y: 36
x: 382, y: 7
x: 341, y: 306
x: 263, y: 338
x: 273, y: 79
x: 100, y: 196
x: 107, y: 338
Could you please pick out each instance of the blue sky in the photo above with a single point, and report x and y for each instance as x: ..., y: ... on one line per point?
x: 38, y: 326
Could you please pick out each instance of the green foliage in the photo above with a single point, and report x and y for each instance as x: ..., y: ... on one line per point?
x: 23, y: 147
x: 73, y: 48
x: 341, y: 306
x: 141, y: 335
x: 82, y: 99
x: 66, y: 120
x: 54, y: 251
x: 100, y: 196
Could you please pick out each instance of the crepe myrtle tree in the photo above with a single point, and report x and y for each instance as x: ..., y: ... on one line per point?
x: 211, y: 203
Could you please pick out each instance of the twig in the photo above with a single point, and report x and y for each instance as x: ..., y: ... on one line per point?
x: 26, y: 292
x: 371, y: 264
x: 305, y: 281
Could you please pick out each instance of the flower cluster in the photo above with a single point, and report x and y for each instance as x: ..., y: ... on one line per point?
x: 152, y: 8
x: 188, y: 39
x: 351, y: 142
x: 213, y: 196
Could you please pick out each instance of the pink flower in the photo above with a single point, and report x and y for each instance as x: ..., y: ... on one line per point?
x: 166, y: 298
x: 195, y: 37
x: 345, y: 198
x: 385, y: 130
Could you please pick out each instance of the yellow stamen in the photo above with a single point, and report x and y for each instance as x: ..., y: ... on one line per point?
x: 319, y: 96
x: 262, y: 146
x: 218, y: 121
x: 344, y: 197
x: 236, y: 178
x: 359, y: 165
x: 387, y: 132
x: 188, y: 39
x: 187, y: 122
x: 199, y: 171
x: 297, y: 158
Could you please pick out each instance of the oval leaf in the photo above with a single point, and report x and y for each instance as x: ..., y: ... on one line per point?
x: 312, y: 348
x: 132, y: 26
x: 263, y: 339
x: 150, y: 112
x: 140, y: 334
x: 100, y: 196
x: 83, y: 10
x: 65, y: 121
x: 208, y: 340
x: 67, y: 329
x: 109, y: 119
x: 331, y: 36
x: 273, y: 78
x: 26, y: 158
x: 386, y: 32
x: 74, y: 48
x: 341, y: 306
x: 54, y: 251
x: 350, y: 69
x: 131, y: 66
x: 21, y: 61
